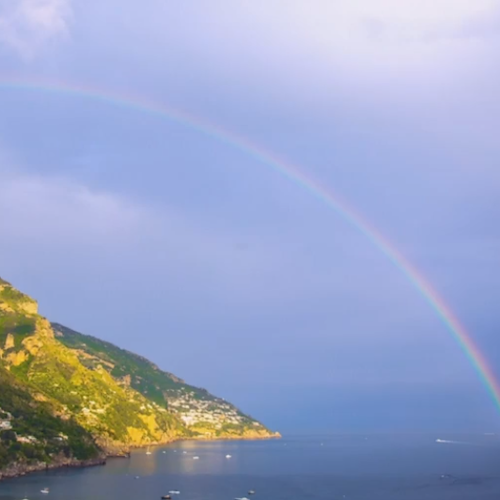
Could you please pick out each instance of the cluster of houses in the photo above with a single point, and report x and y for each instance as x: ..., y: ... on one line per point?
x: 193, y: 410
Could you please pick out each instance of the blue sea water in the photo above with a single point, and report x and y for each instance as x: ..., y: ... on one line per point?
x: 352, y: 467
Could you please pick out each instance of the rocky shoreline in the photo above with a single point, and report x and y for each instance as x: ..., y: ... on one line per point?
x: 18, y: 469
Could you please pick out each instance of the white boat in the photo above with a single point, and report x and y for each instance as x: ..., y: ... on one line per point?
x: 196, y: 458
x: 45, y: 491
x: 228, y: 456
x: 174, y: 492
x: 148, y: 452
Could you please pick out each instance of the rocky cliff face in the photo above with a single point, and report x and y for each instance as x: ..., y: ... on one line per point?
x: 21, y: 468
x: 119, y: 398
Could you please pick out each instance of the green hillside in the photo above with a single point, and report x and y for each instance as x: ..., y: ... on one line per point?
x: 31, y: 434
x: 56, y: 382
x: 136, y: 371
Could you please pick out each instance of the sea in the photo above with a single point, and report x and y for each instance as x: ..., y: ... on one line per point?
x: 322, y: 467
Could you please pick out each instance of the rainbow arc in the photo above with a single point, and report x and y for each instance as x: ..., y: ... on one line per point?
x: 299, y: 177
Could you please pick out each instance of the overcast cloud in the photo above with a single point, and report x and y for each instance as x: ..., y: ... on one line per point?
x: 166, y: 241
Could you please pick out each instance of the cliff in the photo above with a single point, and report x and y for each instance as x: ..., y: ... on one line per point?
x: 98, y: 394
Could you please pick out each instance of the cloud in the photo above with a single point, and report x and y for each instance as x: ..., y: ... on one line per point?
x: 27, y: 26
x: 193, y: 257
x: 81, y: 236
x: 352, y: 32
x: 58, y: 222
x: 410, y: 21
x: 153, y: 272
x: 288, y: 51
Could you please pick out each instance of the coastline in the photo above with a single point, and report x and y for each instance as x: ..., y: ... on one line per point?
x: 18, y: 469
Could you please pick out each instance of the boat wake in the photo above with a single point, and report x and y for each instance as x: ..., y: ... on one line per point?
x: 449, y: 441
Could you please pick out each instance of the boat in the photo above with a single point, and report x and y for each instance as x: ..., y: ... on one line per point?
x: 196, y: 458
x: 148, y: 452
x: 174, y: 492
x: 228, y: 456
x: 45, y: 491
x: 166, y: 497
x: 251, y: 492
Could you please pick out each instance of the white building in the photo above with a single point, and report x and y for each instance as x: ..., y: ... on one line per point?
x: 5, y: 425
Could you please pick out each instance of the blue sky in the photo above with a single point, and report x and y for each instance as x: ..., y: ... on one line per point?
x: 151, y: 235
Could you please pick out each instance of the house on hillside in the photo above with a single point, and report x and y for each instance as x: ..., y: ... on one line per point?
x: 5, y: 425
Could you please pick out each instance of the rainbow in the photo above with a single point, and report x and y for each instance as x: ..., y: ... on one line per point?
x: 299, y: 177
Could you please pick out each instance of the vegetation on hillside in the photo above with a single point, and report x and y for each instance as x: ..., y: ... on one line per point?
x: 30, y: 433
x: 145, y: 377
x: 65, y: 394
x: 204, y: 414
x: 115, y: 414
